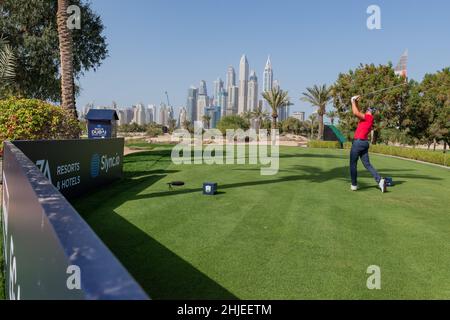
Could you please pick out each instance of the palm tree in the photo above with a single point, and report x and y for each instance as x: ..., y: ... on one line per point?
x: 259, y: 115
x: 318, y: 96
x: 7, y: 63
x: 332, y: 115
x: 247, y: 116
x: 66, y: 59
x: 206, y: 119
x: 276, y: 98
x: 312, y: 121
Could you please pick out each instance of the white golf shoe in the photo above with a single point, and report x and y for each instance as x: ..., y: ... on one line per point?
x: 353, y: 188
x: 382, y: 185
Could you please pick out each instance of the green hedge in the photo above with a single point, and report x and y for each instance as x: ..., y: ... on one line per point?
x: 324, y: 144
x: 437, y: 157
x: 31, y: 119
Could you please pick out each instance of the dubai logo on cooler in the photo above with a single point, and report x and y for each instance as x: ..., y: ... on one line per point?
x: 103, y: 163
x: 98, y: 132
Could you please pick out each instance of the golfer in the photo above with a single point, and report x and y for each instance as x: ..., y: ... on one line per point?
x: 360, y: 146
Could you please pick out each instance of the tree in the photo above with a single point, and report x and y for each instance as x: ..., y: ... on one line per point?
x: 388, y: 105
x: 66, y: 59
x: 172, y: 125
x: 428, y: 111
x: 233, y: 122
x: 206, y: 120
x: 312, y: 122
x: 259, y: 115
x: 276, y: 98
x: 187, y: 125
x: 332, y: 115
x: 318, y: 96
x: 31, y: 28
x: 291, y: 125
x: 7, y: 63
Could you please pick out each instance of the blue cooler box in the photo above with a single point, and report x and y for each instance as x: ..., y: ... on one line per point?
x: 210, y: 188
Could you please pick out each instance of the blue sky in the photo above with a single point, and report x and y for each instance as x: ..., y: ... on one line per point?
x: 169, y: 45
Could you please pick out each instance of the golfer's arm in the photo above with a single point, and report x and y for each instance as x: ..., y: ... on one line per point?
x: 355, y: 110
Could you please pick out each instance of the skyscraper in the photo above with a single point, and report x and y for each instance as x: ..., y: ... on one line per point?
x: 233, y: 101
x: 218, y: 87
x: 152, y: 113
x: 182, y: 117
x: 202, y: 88
x: 223, y: 101
x: 252, y: 103
x: 243, y: 85
x: 268, y: 76
x: 231, y: 78
x: 191, y: 104
x: 163, y: 115
x: 268, y: 80
x: 202, y: 103
x: 139, y: 115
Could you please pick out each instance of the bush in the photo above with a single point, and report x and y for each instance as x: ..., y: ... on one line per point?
x: 232, y: 122
x: 347, y: 145
x: 31, y: 119
x: 324, y: 144
x: 154, y: 130
x: 410, y: 153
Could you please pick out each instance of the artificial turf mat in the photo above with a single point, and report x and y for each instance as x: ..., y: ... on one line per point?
x: 301, y: 234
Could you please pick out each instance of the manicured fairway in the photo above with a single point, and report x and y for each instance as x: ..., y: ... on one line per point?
x: 300, y: 234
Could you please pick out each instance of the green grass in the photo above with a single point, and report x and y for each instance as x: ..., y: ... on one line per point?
x: 301, y: 234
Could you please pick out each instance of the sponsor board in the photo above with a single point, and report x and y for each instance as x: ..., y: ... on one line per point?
x: 49, y: 250
x: 76, y: 166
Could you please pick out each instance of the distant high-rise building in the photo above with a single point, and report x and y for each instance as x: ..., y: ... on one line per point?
x: 163, y: 115
x: 231, y: 78
x: 122, y: 117
x: 233, y: 101
x: 223, y: 101
x: 268, y: 76
x: 214, y: 113
x: 218, y: 87
x: 202, y: 88
x: 191, y: 105
x: 182, y: 117
x: 276, y: 84
x: 243, y: 85
x: 300, y: 115
x: 151, y: 113
x: 202, y: 103
x: 139, y: 115
x: 252, y: 103
x: 268, y: 80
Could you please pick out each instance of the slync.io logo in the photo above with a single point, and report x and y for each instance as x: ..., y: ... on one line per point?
x: 95, y: 165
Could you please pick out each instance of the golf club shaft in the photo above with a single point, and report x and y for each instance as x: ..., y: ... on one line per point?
x: 385, y: 89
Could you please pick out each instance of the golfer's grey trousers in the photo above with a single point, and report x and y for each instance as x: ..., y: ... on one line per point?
x: 360, y: 149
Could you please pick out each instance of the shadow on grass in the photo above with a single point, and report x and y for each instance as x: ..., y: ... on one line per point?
x: 159, y: 271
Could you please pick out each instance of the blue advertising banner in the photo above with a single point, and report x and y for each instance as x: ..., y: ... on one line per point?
x: 75, y: 167
x: 49, y: 250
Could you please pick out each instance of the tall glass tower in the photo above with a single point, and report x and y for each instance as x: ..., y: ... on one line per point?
x: 191, y: 104
x: 243, y: 85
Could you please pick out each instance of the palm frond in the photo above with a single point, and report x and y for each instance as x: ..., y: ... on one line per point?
x: 7, y: 62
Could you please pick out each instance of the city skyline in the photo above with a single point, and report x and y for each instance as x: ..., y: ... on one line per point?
x: 307, y: 50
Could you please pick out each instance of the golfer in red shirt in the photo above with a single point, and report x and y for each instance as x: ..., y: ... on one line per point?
x: 360, y: 146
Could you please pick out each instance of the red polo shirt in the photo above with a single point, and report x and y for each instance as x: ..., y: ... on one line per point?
x: 364, y: 127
